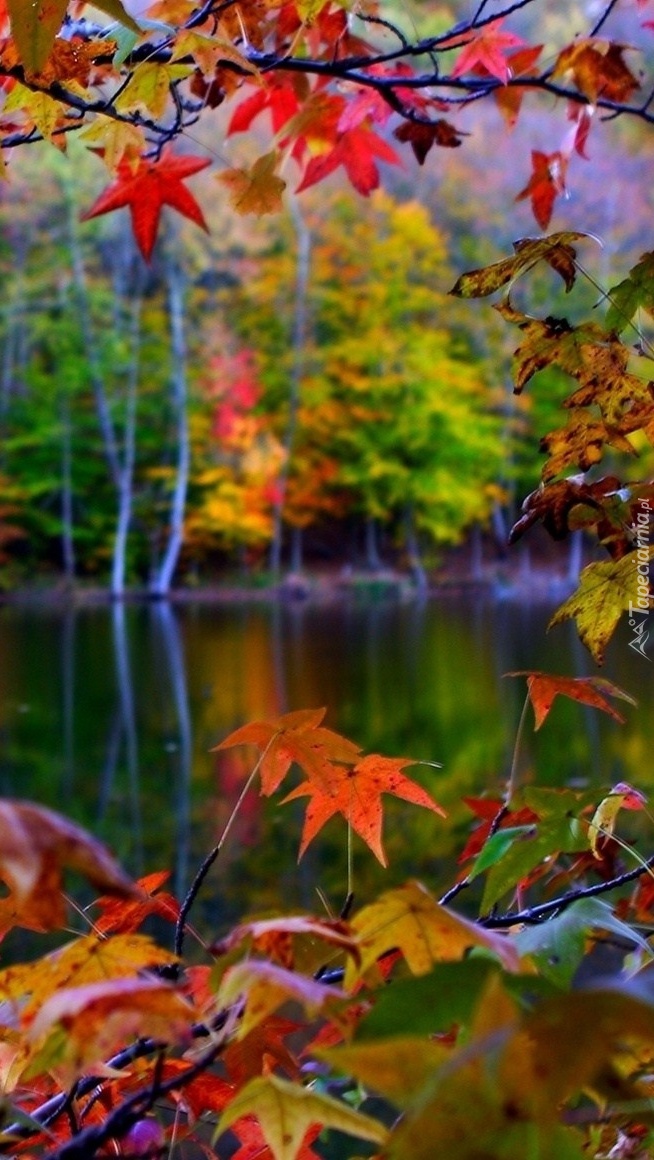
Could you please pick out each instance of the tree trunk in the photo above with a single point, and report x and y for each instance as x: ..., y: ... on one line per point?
x: 303, y: 236
x: 67, y: 541
x: 176, y: 311
x: 296, y: 550
x: 126, y: 473
x: 413, y: 551
x: 373, y: 559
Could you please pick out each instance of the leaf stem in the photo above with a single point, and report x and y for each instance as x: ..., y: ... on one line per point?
x: 207, y: 863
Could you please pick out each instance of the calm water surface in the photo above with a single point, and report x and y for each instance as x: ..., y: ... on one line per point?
x: 109, y: 714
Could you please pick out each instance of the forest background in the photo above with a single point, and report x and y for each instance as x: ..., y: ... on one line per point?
x: 288, y: 388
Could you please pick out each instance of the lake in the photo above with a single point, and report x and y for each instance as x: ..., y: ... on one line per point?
x: 109, y: 715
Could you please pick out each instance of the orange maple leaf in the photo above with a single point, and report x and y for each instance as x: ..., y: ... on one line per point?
x: 295, y: 737
x: 147, y: 189
x: 543, y: 688
x: 357, y: 796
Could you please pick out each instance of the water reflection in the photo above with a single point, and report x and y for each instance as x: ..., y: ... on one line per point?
x: 110, y: 714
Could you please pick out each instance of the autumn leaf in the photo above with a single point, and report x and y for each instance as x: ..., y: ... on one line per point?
x: 602, y: 824
x: 558, y: 250
x: 508, y: 98
x: 356, y: 150
x: 85, y: 960
x: 580, y: 444
x: 123, y: 916
x: 264, y: 987
x: 286, y: 1111
x: 149, y: 87
x: 253, y: 1144
x: 554, y: 505
x: 485, y: 52
x: 34, y: 26
x: 114, y: 141
x: 355, y: 793
x: 274, y: 936
x: 543, y: 688
x: 257, y: 190
x: 546, y: 183
x: 263, y: 1045
x: 396, y: 1068
x: 36, y: 844
x: 78, y: 1027
x: 146, y: 190
x: 606, y: 590
x: 295, y: 737
x: 411, y: 920
x: 44, y: 113
x: 421, y: 136
x: 597, y: 68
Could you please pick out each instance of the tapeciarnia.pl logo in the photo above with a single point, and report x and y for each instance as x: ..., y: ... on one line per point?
x: 638, y: 612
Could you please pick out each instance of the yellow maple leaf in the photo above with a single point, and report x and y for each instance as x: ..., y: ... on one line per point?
x: 42, y: 111
x: 426, y: 932
x: 117, y: 141
x: 606, y: 589
x: 149, y: 87
x: 256, y: 190
x: 285, y: 1111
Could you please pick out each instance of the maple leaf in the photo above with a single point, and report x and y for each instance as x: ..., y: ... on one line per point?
x: 508, y: 98
x: 253, y: 1144
x: 635, y: 292
x: 547, y: 181
x: 553, y: 504
x: 35, y: 25
x: 581, y: 443
x: 36, y: 844
x: 485, y: 51
x: 602, y: 824
x: 488, y: 810
x: 120, y: 917
x: 115, y: 141
x: 557, y: 250
x: 286, y: 1111
x: 543, y: 688
x: 44, y: 113
x: 262, y: 1046
x: 422, y: 136
x: 356, y: 795
x: 280, y: 96
x: 294, y: 737
x: 605, y: 591
x: 257, y: 190
x: 274, y: 936
x: 597, y: 68
x: 355, y: 150
x: 149, y: 87
x: 100, y: 1017
x: 146, y: 190
x: 426, y: 933
x: 264, y: 987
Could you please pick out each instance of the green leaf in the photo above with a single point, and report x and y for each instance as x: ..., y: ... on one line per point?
x: 558, y: 830
x: 635, y: 292
x: 557, y: 946
x: 496, y: 847
x: 429, y: 1003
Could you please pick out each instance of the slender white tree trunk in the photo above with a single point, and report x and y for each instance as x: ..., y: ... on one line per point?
x: 176, y: 282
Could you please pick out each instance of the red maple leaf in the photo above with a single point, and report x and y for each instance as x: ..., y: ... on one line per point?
x: 544, y: 687
x: 484, y: 53
x: 547, y: 181
x: 147, y: 189
x: 279, y: 96
x: 356, y: 150
x: 356, y: 794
